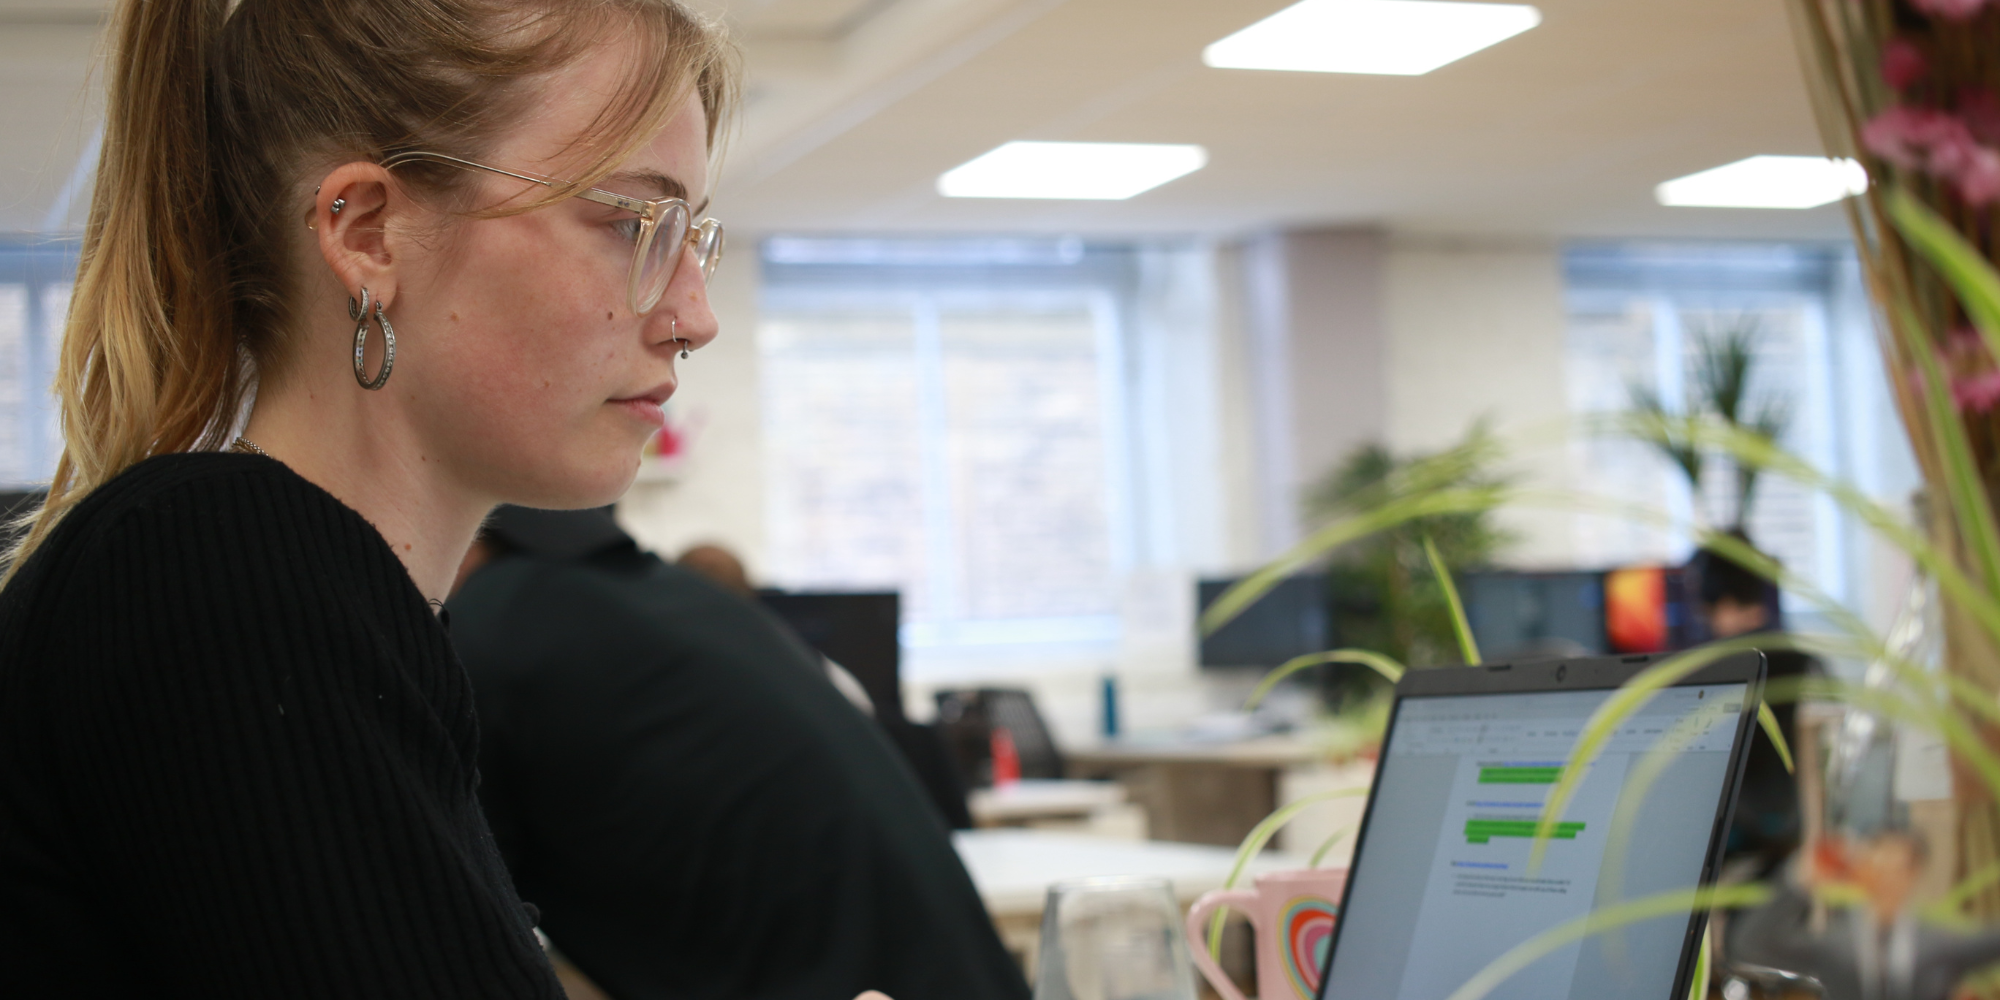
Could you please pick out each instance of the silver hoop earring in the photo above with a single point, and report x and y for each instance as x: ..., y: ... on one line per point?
x: 685, y: 352
x: 359, y: 313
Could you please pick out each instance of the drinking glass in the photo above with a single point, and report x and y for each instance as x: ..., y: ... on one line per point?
x: 1113, y: 939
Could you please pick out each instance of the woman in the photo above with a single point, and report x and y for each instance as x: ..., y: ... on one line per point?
x: 236, y: 753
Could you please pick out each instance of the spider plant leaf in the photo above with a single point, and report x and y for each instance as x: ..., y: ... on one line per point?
x: 1254, y: 842
x: 1949, y: 908
x: 1767, y: 454
x: 1460, y: 628
x: 1597, y: 731
x: 1663, y: 904
x: 1698, y: 985
x: 1380, y: 664
x: 1327, y: 845
x: 1769, y: 721
x: 1960, y: 263
x: 1964, y: 488
x: 1397, y: 511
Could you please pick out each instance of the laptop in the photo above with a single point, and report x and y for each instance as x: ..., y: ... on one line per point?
x: 1440, y: 884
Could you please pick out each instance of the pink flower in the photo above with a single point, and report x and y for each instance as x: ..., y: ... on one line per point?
x: 1979, y: 108
x: 1977, y: 393
x: 1950, y: 10
x: 1938, y: 143
x: 1978, y: 179
x: 1906, y: 136
x: 1903, y: 63
x: 1975, y: 385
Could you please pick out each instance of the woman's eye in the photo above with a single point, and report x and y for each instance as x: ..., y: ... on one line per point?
x: 628, y: 229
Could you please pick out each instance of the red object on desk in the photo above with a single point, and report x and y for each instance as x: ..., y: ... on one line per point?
x: 1006, y: 758
x: 1635, y: 609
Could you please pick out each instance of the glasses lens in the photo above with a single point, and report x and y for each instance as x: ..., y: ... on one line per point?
x: 654, y: 269
x: 708, y: 247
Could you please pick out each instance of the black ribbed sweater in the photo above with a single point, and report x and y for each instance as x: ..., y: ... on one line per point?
x: 237, y: 758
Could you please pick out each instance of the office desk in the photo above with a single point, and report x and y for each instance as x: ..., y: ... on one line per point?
x: 1206, y: 793
x: 1013, y: 870
x: 1032, y: 800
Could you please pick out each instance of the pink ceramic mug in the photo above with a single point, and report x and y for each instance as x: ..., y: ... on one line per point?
x: 1293, y: 915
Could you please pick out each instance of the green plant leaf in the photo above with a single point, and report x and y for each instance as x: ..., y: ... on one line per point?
x: 1390, y: 514
x: 1467, y: 645
x: 1769, y: 720
x: 1254, y: 842
x: 1327, y: 845
x: 1766, y: 454
x: 1381, y: 664
x: 1598, y: 921
x: 1622, y: 704
x: 1963, y: 487
x: 1698, y: 986
x: 1949, y: 908
x: 1961, y: 264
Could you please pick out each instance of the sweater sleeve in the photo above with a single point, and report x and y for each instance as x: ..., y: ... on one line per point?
x: 276, y: 798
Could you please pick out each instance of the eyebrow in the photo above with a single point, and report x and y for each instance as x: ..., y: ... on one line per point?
x: 667, y: 186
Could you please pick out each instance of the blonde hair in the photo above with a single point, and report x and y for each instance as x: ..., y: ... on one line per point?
x: 213, y: 111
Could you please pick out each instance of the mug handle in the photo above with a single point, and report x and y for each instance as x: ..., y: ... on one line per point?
x: 1197, y: 935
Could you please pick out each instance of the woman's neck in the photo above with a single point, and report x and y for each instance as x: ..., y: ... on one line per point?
x: 355, y: 446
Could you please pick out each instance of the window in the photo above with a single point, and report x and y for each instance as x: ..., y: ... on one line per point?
x: 35, y: 280
x: 1637, y: 316
x: 950, y: 419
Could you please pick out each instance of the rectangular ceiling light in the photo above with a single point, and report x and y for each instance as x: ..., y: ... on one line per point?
x: 1390, y: 37
x: 1767, y: 182
x: 1108, y: 171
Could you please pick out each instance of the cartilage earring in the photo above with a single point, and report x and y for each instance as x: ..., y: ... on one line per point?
x: 338, y: 204
x: 685, y: 352
x: 358, y: 311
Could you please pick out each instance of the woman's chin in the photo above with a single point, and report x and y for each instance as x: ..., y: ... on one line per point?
x: 579, y: 487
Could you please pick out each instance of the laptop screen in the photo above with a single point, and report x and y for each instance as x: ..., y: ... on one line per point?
x: 1441, y: 885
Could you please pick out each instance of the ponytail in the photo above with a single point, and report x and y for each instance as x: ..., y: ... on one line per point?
x: 148, y: 363
x: 183, y: 287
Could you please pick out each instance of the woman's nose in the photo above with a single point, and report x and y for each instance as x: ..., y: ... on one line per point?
x: 683, y: 313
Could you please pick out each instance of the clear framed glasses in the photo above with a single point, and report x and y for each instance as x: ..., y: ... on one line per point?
x: 663, y: 228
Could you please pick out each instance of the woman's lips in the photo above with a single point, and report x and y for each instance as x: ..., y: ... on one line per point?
x: 643, y: 409
x: 648, y: 406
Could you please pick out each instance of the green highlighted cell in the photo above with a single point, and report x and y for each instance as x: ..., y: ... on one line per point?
x: 1519, y: 775
x: 1482, y: 831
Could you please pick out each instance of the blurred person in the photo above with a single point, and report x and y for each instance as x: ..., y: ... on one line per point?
x: 694, y: 808
x: 725, y: 569
x: 721, y: 566
x: 1735, y: 600
x: 1866, y: 942
x: 356, y: 272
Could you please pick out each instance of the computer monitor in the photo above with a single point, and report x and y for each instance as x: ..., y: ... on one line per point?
x: 1441, y: 882
x: 861, y: 631
x: 1291, y: 620
x: 1518, y: 615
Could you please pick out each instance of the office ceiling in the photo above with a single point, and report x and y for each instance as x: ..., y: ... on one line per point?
x: 855, y: 107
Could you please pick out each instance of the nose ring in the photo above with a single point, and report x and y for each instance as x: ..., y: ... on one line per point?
x: 685, y: 352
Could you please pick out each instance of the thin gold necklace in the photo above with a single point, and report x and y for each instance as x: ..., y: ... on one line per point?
x: 245, y: 446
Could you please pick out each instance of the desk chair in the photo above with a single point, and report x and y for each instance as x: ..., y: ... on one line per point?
x: 968, y: 719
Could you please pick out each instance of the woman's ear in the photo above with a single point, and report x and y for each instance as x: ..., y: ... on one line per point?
x: 352, y: 215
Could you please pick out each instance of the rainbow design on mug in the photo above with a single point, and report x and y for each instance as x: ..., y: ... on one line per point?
x: 1305, y: 931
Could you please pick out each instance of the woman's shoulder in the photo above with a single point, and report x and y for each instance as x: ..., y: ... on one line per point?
x: 219, y: 494
x: 226, y: 521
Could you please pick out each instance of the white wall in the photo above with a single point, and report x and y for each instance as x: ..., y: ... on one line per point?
x: 718, y: 495
x: 1476, y: 330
